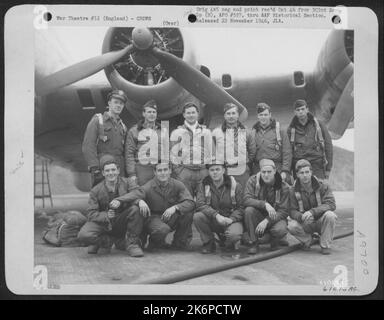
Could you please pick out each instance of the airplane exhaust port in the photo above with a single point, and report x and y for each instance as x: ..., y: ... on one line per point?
x: 182, y: 276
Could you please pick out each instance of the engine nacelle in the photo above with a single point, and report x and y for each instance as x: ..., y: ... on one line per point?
x: 141, y: 76
x: 334, y: 81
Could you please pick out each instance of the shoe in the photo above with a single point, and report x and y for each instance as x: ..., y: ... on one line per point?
x: 105, y: 243
x: 254, y: 249
x: 283, y: 243
x: 307, y: 246
x: 93, y: 249
x: 236, y: 245
x: 221, y: 240
x: 135, y: 251
x: 274, y: 246
x: 209, y: 247
x: 325, y: 251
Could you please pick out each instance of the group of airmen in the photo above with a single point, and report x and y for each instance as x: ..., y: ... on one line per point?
x: 283, y: 187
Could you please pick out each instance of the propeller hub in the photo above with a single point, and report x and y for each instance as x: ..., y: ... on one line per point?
x: 142, y: 38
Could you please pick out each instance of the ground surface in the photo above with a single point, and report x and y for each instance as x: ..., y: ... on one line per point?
x: 75, y: 266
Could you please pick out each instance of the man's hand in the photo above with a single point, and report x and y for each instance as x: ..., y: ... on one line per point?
x: 307, y: 217
x: 260, y: 229
x: 111, y: 214
x: 327, y: 174
x: 223, y: 221
x: 144, y: 209
x: 114, y: 204
x: 286, y: 177
x: 133, y: 179
x: 271, y: 211
x: 168, y: 213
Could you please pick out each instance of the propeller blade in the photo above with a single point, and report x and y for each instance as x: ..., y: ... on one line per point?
x: 195, y: 82
x: 343, y: 113
x: 79, y: 71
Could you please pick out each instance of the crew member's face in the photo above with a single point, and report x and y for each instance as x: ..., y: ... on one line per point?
x: 264, y: 117
x: 216, y: 172
x: 111, y: 172
x: 115, y: 105
x: 191, y: 115
x: 231, y: 116
x: 302, y: 112
x: 150, y: 114
x: 163, y: 172
x: 268, y: 174
x: 304, y: 175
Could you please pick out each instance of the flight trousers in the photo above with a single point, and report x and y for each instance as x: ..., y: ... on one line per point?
x: 124, y: 229
x: 207, y: 227
x: 158, y: 230
x: 325, y: 226
x: 252, y: 217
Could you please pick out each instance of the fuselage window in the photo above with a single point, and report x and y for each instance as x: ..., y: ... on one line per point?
x: 226, y: 80
x: 298, y: 78
x: 86, y: 99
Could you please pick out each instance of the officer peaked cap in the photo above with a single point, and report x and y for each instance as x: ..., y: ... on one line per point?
x: 118, y: 94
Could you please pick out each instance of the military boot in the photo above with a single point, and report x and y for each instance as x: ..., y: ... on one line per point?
x: 103, y: 242
x: 274, y: 245
x: 133, y: 246
x: 209, y: 247
x: 135, y: 251
x: 254, y: 248
x: 93, y: 249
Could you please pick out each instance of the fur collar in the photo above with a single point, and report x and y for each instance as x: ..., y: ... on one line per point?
x: 295, y: 121
x: 227, y: 181
x: 224, y: 126
x: 257, y: 126
x: 140, y: 125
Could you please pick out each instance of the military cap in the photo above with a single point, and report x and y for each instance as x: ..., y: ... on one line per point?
x: 150, y: 104
x: 230, y: 105
x: 299, y: 103
x: 107, y: 159
x: 266, y: 162
x: 262, y: 106
x: 215, y: 162
x: 118, y: 94
x: 302, y: 163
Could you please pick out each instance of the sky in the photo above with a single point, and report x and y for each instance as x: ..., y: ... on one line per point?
x: 242, y: 52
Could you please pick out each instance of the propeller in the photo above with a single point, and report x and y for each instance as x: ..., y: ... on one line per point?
x: 343, y: 113
x: 79, y: 71
x: 185, y: 75
x: 142, y: 39
x: 195, y: 82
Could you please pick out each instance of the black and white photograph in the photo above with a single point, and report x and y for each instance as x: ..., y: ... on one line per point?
x: 197, y: 156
